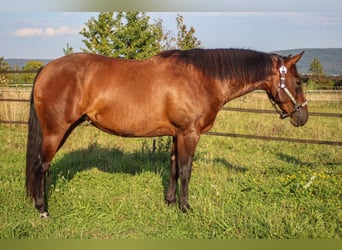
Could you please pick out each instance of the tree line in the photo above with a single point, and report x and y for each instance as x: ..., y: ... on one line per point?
x: 133, y: 35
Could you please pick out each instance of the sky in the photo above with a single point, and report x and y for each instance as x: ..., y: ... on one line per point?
x: 42, y: 33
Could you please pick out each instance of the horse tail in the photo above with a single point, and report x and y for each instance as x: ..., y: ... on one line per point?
x: 34, y: 144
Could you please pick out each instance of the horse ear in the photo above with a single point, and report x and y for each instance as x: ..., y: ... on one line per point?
x: 290, y: 61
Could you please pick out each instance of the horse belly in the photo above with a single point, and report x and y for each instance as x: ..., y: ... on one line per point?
x: 132, y: 123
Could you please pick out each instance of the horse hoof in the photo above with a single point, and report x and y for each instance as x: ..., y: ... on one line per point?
x: 44, y: 215
x: 170, y: 202
x: 185, y: 208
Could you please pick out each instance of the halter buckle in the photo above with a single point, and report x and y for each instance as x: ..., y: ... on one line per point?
x: 283, y: 70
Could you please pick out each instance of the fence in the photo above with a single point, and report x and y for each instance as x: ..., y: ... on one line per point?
x: 268, y: 138
x: 257, y: 137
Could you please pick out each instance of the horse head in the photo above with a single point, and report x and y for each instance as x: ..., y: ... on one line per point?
x: 285, y: 90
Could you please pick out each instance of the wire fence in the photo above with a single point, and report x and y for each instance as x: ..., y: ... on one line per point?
x: 234, y: 135
x: 257, y: 137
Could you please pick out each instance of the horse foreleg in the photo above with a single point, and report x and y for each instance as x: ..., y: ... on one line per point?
x: 186, y: 146
x: 171, y: 192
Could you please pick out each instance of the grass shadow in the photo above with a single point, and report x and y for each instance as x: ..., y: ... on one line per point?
x: 293, y: 160
x: 229, y: 166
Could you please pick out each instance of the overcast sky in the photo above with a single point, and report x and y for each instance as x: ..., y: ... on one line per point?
x: 43, y: 33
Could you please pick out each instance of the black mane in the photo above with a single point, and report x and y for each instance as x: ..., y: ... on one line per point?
x: 242, y: 64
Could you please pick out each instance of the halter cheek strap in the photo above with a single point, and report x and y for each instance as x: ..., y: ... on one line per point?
x: 282, y: 86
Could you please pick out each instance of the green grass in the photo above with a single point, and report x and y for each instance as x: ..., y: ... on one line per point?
x: 107, y: 187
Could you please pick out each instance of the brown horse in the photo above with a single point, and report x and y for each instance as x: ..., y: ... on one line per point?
x: 174, y: 93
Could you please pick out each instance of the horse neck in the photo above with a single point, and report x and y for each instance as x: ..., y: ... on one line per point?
x: 234, y: 89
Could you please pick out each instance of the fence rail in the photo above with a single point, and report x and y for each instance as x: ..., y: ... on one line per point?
x: 256, y: 137
x: 270, y: 138
x: 266, y: 111
x: 244, y: 110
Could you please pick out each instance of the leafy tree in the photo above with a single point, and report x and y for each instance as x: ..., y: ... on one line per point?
x: 130, y: 35
x: 68, y: 50
x: 185, y: 37
x: 123, y: 35
x: 316, y: 69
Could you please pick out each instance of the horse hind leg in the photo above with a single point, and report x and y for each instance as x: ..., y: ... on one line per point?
x: 52, y: 142
x: 49, y: 148
x: 40, y: 198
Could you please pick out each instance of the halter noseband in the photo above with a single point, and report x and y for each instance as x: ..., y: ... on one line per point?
x: 283, y: 115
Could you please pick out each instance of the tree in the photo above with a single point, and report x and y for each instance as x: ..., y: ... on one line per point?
x: 316, y: 69
x: 3, y: 67
x: 185, y: 37
x: 68, y: 50
x: 28, y: 78
x: 125, y: 35
x: 32, y: 65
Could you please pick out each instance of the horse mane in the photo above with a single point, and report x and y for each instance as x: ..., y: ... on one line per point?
x: 226, y: 64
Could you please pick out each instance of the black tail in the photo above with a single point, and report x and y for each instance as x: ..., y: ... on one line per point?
x: 34, y: 144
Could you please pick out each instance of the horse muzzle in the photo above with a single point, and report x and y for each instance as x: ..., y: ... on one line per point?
x: 299, y: 117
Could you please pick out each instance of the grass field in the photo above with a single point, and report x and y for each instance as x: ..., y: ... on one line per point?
x: 107, y: 187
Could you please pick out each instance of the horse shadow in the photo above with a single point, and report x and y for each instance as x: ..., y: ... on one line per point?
x: 110, y: 160
x: 155, y: 159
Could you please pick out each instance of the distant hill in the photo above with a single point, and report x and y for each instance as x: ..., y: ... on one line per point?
x: 330, y: 58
